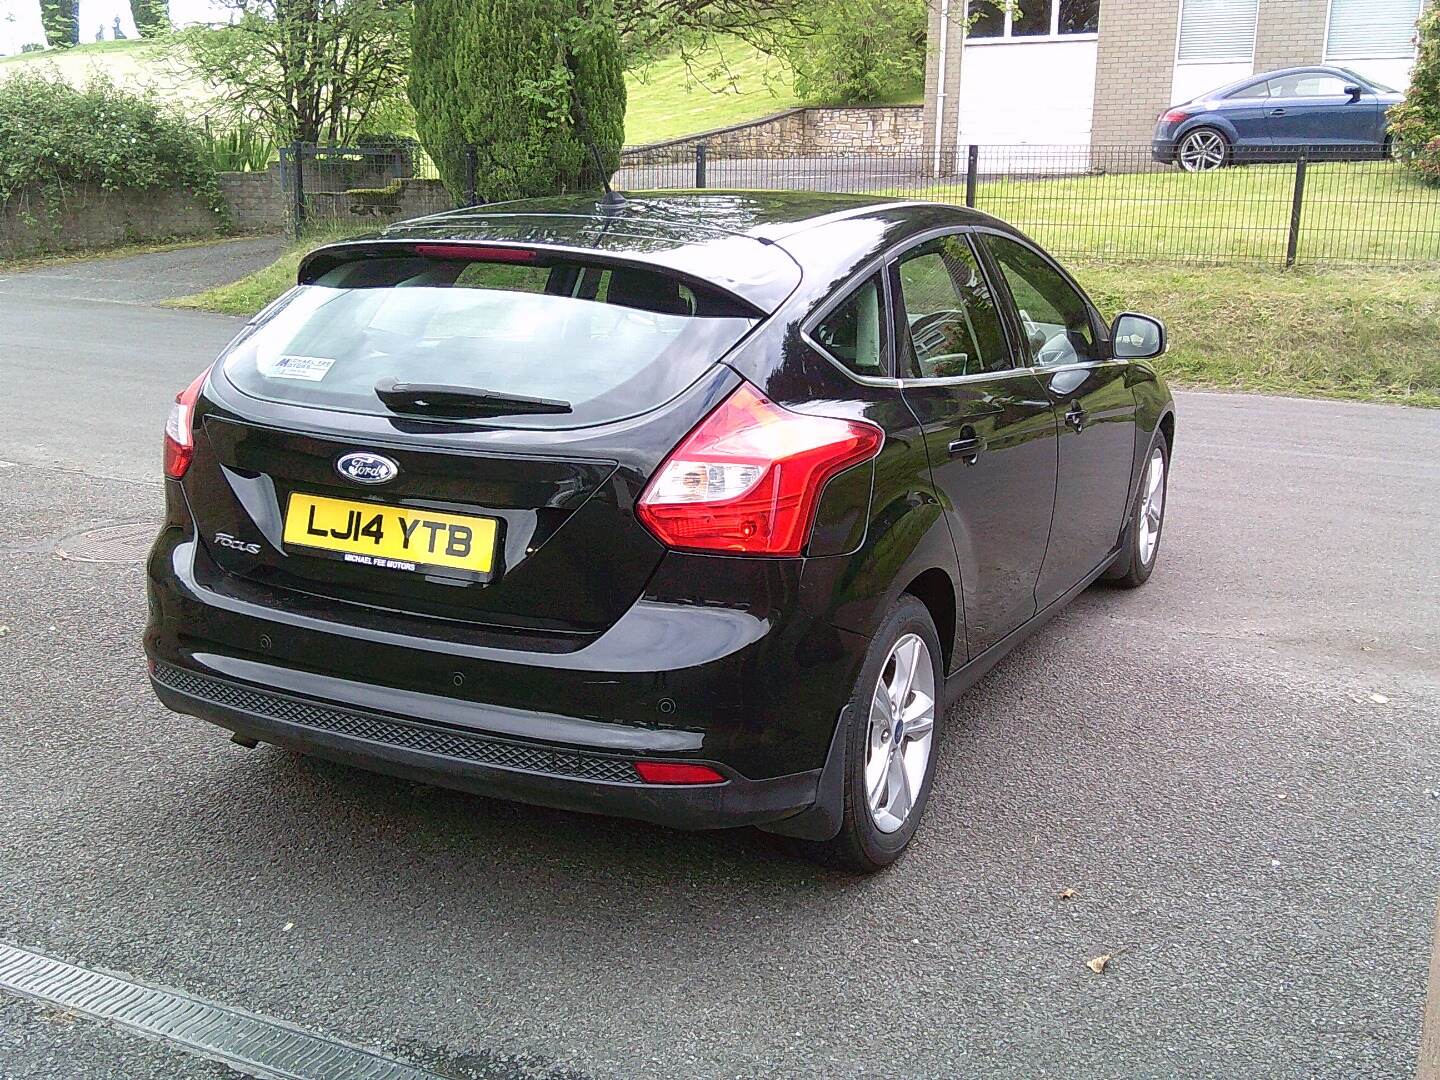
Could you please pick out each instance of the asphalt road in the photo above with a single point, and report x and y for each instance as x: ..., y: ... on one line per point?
x: 1207, y: 762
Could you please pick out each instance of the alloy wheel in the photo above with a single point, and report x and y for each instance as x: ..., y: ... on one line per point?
x: 1202, y: 151
x: 1152, y: 506
x: 902, y: 727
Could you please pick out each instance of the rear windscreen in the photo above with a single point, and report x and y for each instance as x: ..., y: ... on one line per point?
x: 605, y: 342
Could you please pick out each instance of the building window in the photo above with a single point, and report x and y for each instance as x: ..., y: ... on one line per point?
x: 1033, y: 18
x: 1217, y: 31
x: 1371, y: 29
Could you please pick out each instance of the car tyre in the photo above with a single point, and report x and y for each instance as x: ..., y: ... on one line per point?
x: 885, y: 791
x: 1203, y: 150
x: 1147, y: 521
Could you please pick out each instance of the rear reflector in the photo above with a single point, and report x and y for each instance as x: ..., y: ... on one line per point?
x: 476, y: 252
x: 674, y: 772
x: 748, y: 479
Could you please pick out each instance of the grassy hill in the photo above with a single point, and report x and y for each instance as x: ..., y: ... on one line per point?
x: 667, y: 99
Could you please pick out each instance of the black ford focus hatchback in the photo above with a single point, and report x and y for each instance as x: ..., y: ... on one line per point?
x: 696, y: 509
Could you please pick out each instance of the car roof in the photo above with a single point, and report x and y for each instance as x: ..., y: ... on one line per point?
x: 757, y: 245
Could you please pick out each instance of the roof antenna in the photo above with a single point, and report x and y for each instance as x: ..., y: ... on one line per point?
x: 611, y: 200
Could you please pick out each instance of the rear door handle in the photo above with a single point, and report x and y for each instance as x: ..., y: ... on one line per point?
x: 1076, y: 417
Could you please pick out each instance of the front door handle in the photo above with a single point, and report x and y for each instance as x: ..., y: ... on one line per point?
x: 1076, y: 417
x: 1277, y: 112
x: 968, y: 447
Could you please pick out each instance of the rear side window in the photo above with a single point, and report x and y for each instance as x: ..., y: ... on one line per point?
x: 604, y: 342
x: 1259, y: 90
x: 853, y: 333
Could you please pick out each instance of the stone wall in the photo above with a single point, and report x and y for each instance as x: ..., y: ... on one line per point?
x: 410, y: 198
x: 804, y: 132
x: 90, y: 217
x: 256, y: 200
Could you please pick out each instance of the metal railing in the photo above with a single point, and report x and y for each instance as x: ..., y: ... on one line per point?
x: 1285, y: 206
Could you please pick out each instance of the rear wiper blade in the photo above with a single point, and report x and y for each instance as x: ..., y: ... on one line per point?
x: 434, y: 399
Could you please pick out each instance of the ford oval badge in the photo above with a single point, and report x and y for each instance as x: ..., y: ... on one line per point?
x: 367, y: 468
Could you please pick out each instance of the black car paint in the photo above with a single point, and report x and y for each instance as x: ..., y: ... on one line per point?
x: 616, y: 646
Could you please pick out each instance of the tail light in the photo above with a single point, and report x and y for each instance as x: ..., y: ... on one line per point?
x: 179, y: 433
x: 748, y: 479
x: 1174, y: 116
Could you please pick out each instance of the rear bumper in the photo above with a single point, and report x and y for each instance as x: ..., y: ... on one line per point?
x: 1163, y: 151
x: 739, y: 678
x: 451, y: 757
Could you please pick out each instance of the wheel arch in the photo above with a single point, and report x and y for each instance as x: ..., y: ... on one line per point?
x: 936, y: 591
x: 1215, y: 122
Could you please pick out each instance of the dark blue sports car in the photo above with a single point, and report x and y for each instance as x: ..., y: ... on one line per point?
x: 1272, y: 116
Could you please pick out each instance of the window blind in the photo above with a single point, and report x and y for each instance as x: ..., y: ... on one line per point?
x: 1217, y: 30
x: 1368, y: 29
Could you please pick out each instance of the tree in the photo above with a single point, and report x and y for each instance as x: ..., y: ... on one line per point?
x: 859, y: 50
x: 524, y: 82
x: 61, y: 19
x: 313, y: 70
x: 152, y: 17
x: 1415, y: 122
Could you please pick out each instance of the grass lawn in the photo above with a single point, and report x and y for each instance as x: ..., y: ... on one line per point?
x: 82, y: 54
x: 1369, y: 335
x: 1366, y: 334
x: 1353, y: 212
x: 136, y: 65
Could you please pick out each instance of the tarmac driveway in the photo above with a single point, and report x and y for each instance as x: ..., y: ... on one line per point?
x: 1236, y: 769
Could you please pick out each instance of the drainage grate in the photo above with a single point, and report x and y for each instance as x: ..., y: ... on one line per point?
x: 265, y: 1048
x: 126, y: 543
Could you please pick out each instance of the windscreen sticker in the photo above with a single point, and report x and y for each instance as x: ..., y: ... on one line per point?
x: 307, y: 368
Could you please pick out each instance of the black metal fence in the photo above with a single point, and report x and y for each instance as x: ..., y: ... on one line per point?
x: 1282, y: 206
x: 355, y: 188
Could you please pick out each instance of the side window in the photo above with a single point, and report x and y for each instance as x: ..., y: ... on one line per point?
x: 1308, y: 84
x: 853, y: 333
x: 1054, y: 317
x: 954, y: 326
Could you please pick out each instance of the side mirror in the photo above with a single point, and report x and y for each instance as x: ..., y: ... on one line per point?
x: 1137, y: 337
x: 1354, y: 92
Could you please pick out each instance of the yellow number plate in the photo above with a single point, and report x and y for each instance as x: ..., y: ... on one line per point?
x: 392, y: 537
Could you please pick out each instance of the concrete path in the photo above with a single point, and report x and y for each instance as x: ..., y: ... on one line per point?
x: 144, y: 279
